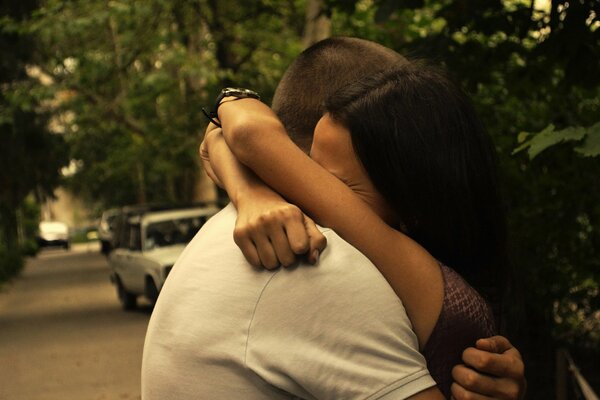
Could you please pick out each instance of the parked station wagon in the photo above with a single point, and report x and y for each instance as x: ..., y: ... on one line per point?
x: 149, y: 244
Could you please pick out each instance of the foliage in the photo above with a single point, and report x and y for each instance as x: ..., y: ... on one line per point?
x: 28, y: 148
x: 536, y: 143
x: 132, y: 77
x: 11, y: 263
x: 30, y: 157
x: 526, y: 67
x: 29, y: 216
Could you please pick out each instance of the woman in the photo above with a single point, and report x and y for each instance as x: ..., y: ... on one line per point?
x: 410, y: 138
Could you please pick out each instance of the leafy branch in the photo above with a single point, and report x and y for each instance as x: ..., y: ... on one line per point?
x: 587, y: 138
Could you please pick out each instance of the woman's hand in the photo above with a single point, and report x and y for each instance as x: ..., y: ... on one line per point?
x: 212, y: 133
x: 493, y: 369
x: 271, y: 232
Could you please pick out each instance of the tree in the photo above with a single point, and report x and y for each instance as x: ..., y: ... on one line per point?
x: 134, y: 76
x: 30, y: 157
x: 528, y: 69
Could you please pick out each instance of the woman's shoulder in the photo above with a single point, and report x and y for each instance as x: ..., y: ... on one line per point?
x: 465, y: 317
x: 464, y: 305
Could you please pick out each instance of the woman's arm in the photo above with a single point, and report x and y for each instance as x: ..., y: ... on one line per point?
x: 258, y: 139
x: 269, y: 230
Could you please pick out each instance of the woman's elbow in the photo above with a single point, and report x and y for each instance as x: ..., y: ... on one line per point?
x: 237, y: 136
x: 245, y: 138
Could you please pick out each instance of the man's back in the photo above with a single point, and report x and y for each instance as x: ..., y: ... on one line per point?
x: 223, y: 329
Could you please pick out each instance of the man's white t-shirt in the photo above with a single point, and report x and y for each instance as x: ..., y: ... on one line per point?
x: 222, y: 329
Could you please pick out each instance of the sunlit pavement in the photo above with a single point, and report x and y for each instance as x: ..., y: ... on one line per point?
x: 63, y: 334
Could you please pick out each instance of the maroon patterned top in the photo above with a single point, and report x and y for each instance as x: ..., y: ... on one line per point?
x: 465, y: 317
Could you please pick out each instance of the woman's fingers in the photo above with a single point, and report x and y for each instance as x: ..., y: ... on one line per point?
x: 280, y: 232
x: 317, y: 240
x: 278, y: 236
x: 205, y: 156
x: 295, y: 229
x: 281, y: 245
x: 210, y: 127
x: 262, y: 240
x: 266, y: 252
x: 247, y: 247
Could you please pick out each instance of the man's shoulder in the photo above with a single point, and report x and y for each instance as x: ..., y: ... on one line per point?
x: 336, y: 329
x: 216, y: 233
x: 340, y: 254
x: 341, y: 266
x: 343, y: 279
x: 224, y: 219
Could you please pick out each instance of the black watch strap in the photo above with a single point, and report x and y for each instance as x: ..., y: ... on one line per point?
x: 238, y: 93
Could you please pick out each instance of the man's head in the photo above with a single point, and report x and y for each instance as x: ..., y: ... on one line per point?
x: 320, y: 71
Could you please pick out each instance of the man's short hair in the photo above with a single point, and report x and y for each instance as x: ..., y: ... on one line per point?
x: 318, y: 72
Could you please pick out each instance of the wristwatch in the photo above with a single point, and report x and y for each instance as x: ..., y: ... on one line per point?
x: 238, y: 93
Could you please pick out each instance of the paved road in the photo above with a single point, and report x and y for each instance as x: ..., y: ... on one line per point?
x: 63, y: 335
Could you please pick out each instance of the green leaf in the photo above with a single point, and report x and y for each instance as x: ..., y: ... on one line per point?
x: 385, y: 10
x: 591, y: 146
x: 549, y: 137
x: 523, y: 136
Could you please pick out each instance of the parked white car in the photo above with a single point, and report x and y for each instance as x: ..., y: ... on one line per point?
x: 53, y: 233
x: 150, y: 244
x: 106, y: 230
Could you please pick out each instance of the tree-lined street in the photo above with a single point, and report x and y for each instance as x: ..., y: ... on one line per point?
x: 63, y: 334
x: 102, y: 100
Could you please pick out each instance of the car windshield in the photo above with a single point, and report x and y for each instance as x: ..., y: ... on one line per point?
x: 168, y: 233
x: 53, y: 227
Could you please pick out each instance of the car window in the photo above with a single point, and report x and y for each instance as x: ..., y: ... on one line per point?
x: 53, y: 227
x: 112, y: 222
x: 135, y: 241
x: 121, y: 236
x: 168, y: 233
x: 109, y: 222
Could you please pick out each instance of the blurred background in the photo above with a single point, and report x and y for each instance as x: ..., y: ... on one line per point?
x: 100, y: 108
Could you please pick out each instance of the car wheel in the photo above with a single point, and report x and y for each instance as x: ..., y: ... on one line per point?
x: 151, y: 290
x: 127, y: 299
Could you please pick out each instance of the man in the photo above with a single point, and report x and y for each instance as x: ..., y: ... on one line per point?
x: 222, y: 329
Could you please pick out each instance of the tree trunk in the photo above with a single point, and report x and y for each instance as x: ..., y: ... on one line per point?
x: 562, y: 375
x: 223, y: 40
x: 317, y: 24
x: 141, y: 183
x: 9, y: 227
x: 170, y: 189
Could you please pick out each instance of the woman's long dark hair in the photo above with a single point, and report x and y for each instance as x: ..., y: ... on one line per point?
x: 426, y: 151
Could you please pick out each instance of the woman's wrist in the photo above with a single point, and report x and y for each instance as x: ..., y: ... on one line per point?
x: 252, y: 191
x: 241, y: 103
x: 241, y: 184
x: 235, y: 93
